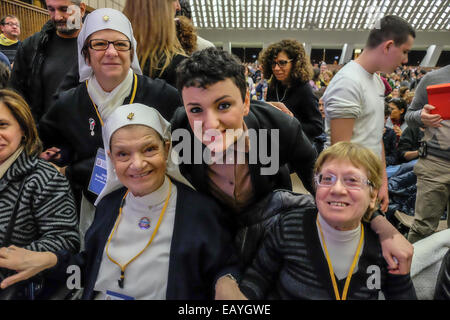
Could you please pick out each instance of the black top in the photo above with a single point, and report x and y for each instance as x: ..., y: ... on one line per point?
x: 300, y: 99
x: 67, y: 125
x: 290, y: 264
x: 294, y: 149
x: 442, y: 291
x: 169, y: 74
x: 409, y: 141
x: 60, y: 59
x: 10, y: 51
x: 390, y: 146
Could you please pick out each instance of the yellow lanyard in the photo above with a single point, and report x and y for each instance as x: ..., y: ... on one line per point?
x: 131, y: 100
x: 123, y: 267
x: 330, y: 266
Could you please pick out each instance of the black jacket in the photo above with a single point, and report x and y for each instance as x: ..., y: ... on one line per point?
x: 290, y: 263
x: 390, y: 146
x: 409, y: 141
x: 302, y: 102
x: 442, y: 291
x: 67, y: 126
x: 201, y: 250
x: 26, y: 73
x: 294, y: 149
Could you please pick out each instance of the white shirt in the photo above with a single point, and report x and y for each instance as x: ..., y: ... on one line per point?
x: 341, y: 247
x: 146, y: 277
x: 357, y: 94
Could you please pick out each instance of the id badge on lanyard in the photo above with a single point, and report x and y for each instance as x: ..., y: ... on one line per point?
x: 111, y: 295
x: 98, y: 176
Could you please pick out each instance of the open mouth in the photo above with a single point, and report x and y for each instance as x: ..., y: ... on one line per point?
x: 338, y: 204
x: 138, y: 176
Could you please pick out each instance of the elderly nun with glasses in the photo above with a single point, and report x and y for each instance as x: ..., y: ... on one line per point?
x: 110, y: 76
x: 153, y: 237
x: 326, y: 250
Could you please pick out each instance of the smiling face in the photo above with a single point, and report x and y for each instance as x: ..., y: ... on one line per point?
x: 110, y: 66
x: 139, y: 158
x: 10, y: 133
x: 343, y: 208
x: 216, y: 113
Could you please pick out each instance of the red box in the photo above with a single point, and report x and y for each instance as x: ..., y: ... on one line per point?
x: 439, y: 97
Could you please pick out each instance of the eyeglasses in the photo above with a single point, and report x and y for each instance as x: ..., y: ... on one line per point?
x: 102, y: 45
x: 11, y: 24
x: 280, y: 63
x: 350, y: 181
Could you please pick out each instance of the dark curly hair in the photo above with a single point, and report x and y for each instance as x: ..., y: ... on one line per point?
x: 186, y: 34
x: 301, y: 66
x: 209, y: 66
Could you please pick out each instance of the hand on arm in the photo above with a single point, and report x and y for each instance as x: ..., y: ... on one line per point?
x: 397, y: 251
x: 27, y: 263
x: 282, y: 107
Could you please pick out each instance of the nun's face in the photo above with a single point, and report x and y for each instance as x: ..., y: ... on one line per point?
x: 110, y: 65
x: 139, y: 158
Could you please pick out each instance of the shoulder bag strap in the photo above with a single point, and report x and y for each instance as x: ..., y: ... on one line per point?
x: 12, y: 221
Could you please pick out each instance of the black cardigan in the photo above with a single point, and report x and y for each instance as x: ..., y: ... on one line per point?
x: 290, y: 264
x: 66, y: 125
x: 302, y: 102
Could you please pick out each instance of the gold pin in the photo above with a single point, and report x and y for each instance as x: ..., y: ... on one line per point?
x: 130, y: 116
x: 106, y: 18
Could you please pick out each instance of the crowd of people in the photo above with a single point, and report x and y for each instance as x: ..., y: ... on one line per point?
x: 114, y: 131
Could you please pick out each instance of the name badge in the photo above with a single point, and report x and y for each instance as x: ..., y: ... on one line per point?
x: 111, y: 295
x: 98, y: 176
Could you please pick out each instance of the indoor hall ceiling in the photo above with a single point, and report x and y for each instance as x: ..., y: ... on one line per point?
x: 424, y: 15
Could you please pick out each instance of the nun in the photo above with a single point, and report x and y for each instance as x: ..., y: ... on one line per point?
x: 153, y: 237
x: 110, y: 76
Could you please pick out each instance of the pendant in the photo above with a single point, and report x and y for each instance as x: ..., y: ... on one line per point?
x: 92, y: 126
x: 144, y: 223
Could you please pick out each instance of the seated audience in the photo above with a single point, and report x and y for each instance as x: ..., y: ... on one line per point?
x: 389, y: 139
x: 397, y: 119
x: 409, y: 143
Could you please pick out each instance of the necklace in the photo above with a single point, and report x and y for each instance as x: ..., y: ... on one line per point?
x: 330, y: 266
x: 123, y: 267
x: 284, y: 95
x: 133, y: 95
